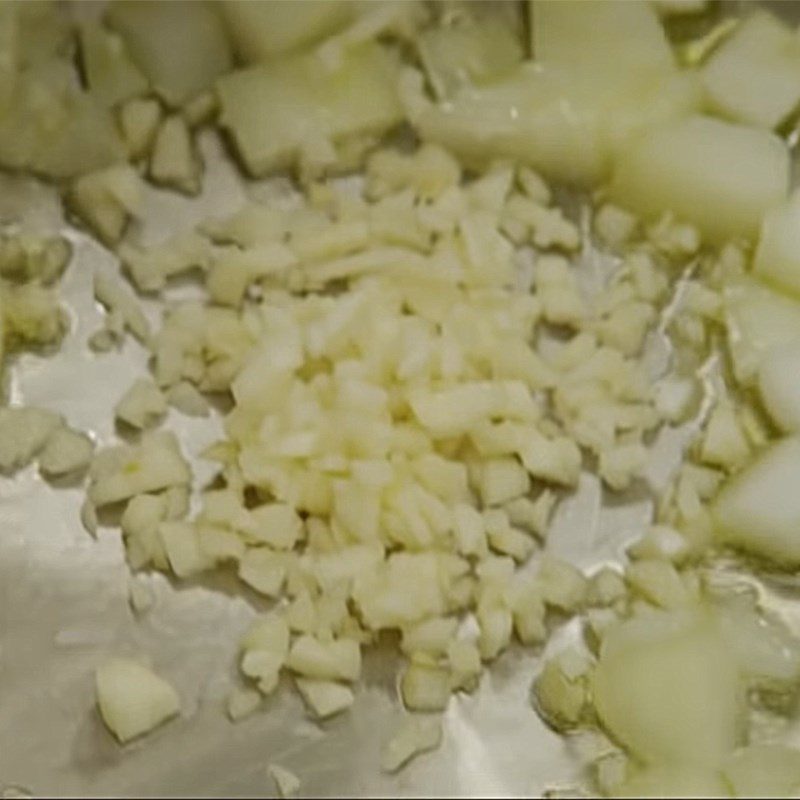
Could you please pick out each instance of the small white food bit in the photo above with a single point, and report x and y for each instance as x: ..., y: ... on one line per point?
x: 269, y: 633
x: 324, y: 698
x: 502, y: 479
x: 490, y: 191
x: 661, y: 541
x: 335, y: 660
x: 532, y: 515
x: 496, y: 624
x: 611, y: 772
x: 614, y: 226
x: 142, y: 406
x: 626, y: 326
x: 275, y: 524
x: 606, y: 587
x: 658, y: 582
x: 557, y: 288
x: 138, y: 121
x: 132, y: 699
x: 264, y: 570
x: 174, y: 161
x: 24, y: 432
x: 425, y: 688
x: 106, y: 199
x: 561, y: 691
x: 676, y: 398
x: 287, y: 783
x: 263, y: 666
x: 24, y: 257
x: 431, y: 636
x: 464, y: 661
x: 724, y: 443
x: 242, y: 703
x: 557, y: 460
x: 220, y: 544
x: 66, y: 451
x: 227, y: 282
x: 562, y: 585
x: 140, y: 522
x: 621, y: 464
x: 702, y: 300
x: 673, y: 239
x: 528, y: 611
x: 201, y: 109
x: 110, y: 74
x: 551, y: 228
x: 150, y: 268
x: 176, y: 502
x: 429, y: 171
x: 118, y: 299
x: 469, y: 528
x: 182, y: 546
x: 415, y: 736
x: 599, y: 621
x: 396, y: 220
x: 534, y: 186
x: 188, y: 399
x: 649, y: 282
x: 505, y: 539
x: 338, y: 239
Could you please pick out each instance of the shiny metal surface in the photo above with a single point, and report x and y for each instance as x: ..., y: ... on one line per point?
x: 64, y: 607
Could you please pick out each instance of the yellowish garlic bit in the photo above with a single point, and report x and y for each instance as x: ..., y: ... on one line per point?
x: 142, y: 406
x: 132, y: 699
x: 138, y: 121
x: 106, y: 199
x: 173, y: 161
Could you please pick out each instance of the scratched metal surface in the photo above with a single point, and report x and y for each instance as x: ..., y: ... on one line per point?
x: 64, y: 604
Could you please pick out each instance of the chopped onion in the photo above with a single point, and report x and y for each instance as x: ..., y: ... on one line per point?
x: 24, y: 432
x: 173, y: 161
x: 425, y: 688
x: 325, y: 698
x: 66, y: 451
x: 666, y: 687
x: 779, y: 385
x: 287, y: 782
x: 122, y: 472
x: 142, y: 406
x: 180, y: 48
x: 696, y: 167
x: 752, y: 76
x: 757, y: 509
x: 132, y: 699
